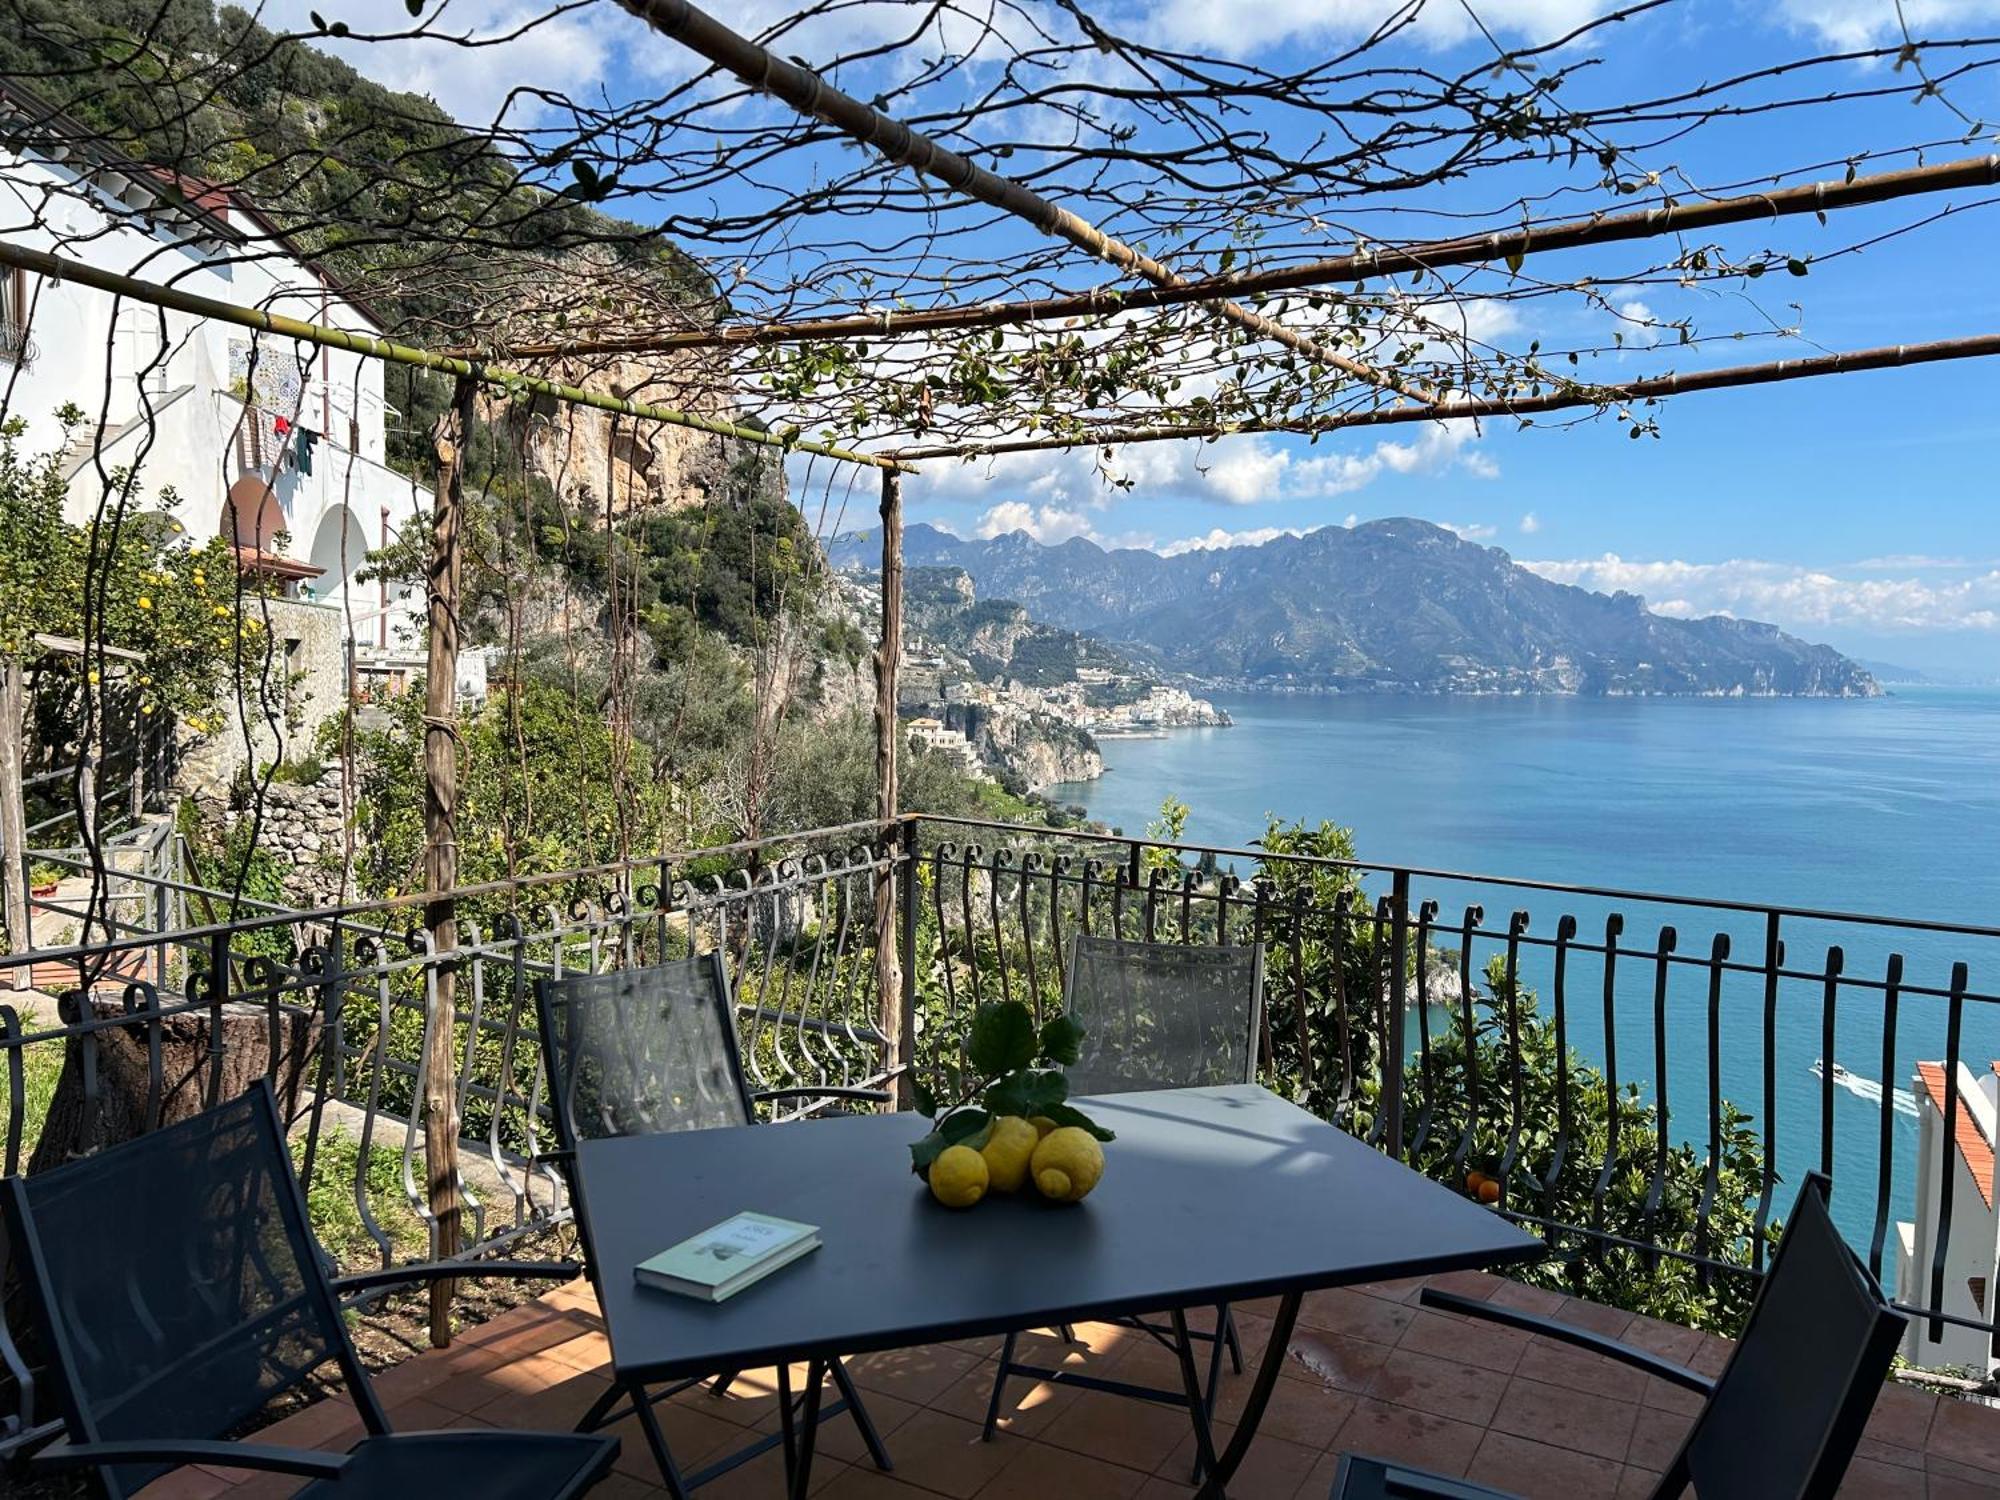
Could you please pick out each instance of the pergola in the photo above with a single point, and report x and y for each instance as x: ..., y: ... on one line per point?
x: 1279, y: 340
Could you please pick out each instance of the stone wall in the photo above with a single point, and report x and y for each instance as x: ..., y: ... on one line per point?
x: 307, y: 681
x: 300, y: 827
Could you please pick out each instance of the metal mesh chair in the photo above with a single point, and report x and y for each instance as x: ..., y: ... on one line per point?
x: 177, y: 1289
x: 1782, y: 1420
x: 1156, y: 1015
x: 1163, y: 1015
x: 643, y: 1051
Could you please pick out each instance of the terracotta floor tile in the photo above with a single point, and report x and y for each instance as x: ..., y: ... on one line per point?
x: 1537, y: 1471
x: 1593, y: 1317
x: 1397, y: 1289
x: 839, y: 1436
x: 1478, y: 1285
x: 1668, y: 1340
x: 915, y: 1375
x: 1966, y: 1433
x: 1300, y: 1411
x: 1941, y: 1487
x: 1138, y: 1434
x: 1442, y: 1387
x: 1579, y: 1370
x: 1465, y: 1340
x: 1040, y: 1472
x: 1538, y: 1300
x: 1380, y: 1430
x: 1669, y: 1397
x: 945, y: 1455
x: 1869, y: 1480
x: 1334, y: 1359
x: 1272, y: 1470
x: 864, y: 1483
x: 1902, y: 1416
x: 1656, y: 1437
x: 1027, y: 1406
x: 1356, y: 1314
x: 693, y: 1439
x: 1963, y: 1475
x: 1596, y: 1425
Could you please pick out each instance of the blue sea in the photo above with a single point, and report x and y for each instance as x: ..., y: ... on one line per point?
x: 1888, y: 806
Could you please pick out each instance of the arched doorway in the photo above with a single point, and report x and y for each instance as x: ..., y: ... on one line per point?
x: 251, y: 516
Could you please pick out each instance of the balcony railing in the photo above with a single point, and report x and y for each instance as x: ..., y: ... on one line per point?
x: 1632, y: 1072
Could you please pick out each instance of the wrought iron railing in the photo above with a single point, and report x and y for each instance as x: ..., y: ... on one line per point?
x: 1704, y: 1053
x: 335, y: 1006
x: 1600, y: 1110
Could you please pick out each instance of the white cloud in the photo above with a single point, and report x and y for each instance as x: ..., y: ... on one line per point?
x: 568, y: 53
x: 1530, y: 524
x: 1470, y: 531
x: 1796, y: 597
x: 1237, y: 30
x: 1045, y: 523
x: 1244, y: 470
x: 1218, y: 539
x: 1851, y: 25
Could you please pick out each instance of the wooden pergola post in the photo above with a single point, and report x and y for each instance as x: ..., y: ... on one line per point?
x: 13, y: 813
x: 450, y: 440
x: 888, y: 659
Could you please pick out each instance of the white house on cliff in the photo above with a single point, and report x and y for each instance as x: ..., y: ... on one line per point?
x: 278, y: 447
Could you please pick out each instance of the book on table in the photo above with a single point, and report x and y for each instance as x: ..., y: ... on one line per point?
x: 725, y: 1258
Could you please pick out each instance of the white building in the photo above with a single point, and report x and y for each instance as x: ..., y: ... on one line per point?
x: 277, y: 446
x: 1972, y: 1250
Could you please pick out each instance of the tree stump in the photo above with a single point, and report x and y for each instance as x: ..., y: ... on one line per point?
x: 126, y: 1091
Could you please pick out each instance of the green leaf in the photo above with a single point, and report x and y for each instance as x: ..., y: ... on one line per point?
x: 1062, y: 1040
x: 1514, y: 261
x: 1032, y: 1092
x: 1796, y: 266
x: 414, y: 7
x: 965, y: 1127
x: 1002, y: 1039
x: 924, y: 1100
x: 1069, y: 1114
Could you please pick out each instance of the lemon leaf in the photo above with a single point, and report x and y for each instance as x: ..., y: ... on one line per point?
x: 1002, y: 1039
x: 1069, y: 1114
x: 1062, y: 1040
x: 1028, y: 1093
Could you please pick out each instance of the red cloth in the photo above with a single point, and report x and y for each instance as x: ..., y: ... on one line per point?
x: 281, y: 425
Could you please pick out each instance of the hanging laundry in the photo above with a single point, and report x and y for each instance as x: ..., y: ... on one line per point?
x: 303, y: 448
x: 282, y: 426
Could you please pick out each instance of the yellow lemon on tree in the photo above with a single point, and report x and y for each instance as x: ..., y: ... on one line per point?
x: 958, y: 1177
x: 1067, y: 1164
x: 1008, y: 1147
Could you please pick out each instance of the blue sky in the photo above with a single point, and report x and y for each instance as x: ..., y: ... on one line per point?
x: 1859, y: 510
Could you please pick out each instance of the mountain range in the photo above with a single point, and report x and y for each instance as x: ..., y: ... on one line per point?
x: 1394, y: 605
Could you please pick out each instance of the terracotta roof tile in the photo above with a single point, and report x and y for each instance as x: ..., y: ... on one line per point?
x: 1972, y: 1143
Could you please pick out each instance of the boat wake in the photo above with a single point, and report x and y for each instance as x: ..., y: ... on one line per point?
x: 1866, y: 1088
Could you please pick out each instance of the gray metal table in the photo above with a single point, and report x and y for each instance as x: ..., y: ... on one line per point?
x: 1210, y: 1195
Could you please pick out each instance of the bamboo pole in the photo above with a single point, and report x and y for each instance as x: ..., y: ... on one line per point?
x: 1471, y: 249
x: 451, y: 439
x: 888, y: 664
x: 1887, y: 357
x: 61, y: 268
x: 812, y: 95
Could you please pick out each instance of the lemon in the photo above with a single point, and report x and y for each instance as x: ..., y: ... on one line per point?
x: 1067, y: 1164
x: 1009, y: 1145
x: 1043, y: 1125
x: 958, y: 1177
